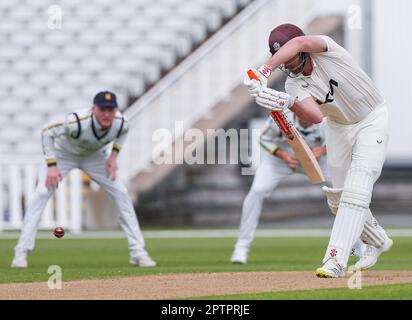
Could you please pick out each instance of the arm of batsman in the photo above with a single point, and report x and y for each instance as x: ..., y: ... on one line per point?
x: 274, y: 100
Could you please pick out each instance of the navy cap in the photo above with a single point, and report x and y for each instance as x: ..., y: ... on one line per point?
x: 105, y: 99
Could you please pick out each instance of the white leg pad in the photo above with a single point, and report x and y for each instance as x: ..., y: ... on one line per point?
x: 348, y: 226
x: 352, y: 214
x: 372, y: 234
x: 358, y: 187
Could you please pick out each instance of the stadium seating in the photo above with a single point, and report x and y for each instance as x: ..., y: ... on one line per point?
x: 101, y: 45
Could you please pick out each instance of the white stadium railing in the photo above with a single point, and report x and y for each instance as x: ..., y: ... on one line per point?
x: 18, y: 179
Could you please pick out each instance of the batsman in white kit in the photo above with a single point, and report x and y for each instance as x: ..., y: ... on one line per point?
x: 81, y: 140
x: 278, y: 162
x: 324, y: 80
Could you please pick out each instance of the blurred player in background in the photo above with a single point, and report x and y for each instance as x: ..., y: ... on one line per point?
x: 324, y: 80
x: 81, y: 140
x: 278, y: 162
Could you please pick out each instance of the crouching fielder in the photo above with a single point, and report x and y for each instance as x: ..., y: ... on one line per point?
x: 324, y: 80
x: 278, y: 162
x: 80, y: 141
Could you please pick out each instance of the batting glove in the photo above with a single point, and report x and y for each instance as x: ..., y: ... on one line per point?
x: 263, y: 73
x: 274, y: 100
x: 254, y: 86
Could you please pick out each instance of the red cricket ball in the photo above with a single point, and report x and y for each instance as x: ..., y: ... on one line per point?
x: 58, y: 232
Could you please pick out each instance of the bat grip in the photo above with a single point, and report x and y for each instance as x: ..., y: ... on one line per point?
x: 280, y: 120
x: 252, y: 75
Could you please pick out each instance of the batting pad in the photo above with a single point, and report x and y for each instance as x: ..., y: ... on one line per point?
x: 372, y: 233
x: 347, y: 228
x: 358, y: 186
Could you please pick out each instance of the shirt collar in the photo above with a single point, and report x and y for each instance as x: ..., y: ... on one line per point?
x: 97, y: 129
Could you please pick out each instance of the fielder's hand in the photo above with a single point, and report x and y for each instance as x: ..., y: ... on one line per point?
x: 319, y: 152
x: 111, y: 167
x: 53, y: 178
x: 289, y: 159
x: 274, y: 100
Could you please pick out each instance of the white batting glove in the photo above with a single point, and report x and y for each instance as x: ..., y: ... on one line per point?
x: 253, y: 85
x: 274, y: 100
x: 263, y: 73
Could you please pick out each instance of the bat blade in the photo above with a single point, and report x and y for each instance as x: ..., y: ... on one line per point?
x: 306, y: 158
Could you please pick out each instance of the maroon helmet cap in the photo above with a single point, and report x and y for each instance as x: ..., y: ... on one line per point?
x: 282, y: 34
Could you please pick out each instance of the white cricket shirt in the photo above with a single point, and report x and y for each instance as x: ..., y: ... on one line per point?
x: 344, y: 92
x: 80, y: 134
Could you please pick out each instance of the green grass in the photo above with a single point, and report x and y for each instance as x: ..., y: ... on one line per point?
x: 381, y: 292
x: 108, y: 258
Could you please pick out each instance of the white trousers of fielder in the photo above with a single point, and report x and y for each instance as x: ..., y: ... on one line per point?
x: 95, y: 167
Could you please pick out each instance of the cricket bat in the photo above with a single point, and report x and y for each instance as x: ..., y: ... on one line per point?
x: 297, y: 143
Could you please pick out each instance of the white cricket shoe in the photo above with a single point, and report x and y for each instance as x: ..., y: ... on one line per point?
x: 239, y: 256
x: 331, y: 269
x: 20, y: 260
x: 143, y: 260
x: 358, y: 249
x: 371, y: 255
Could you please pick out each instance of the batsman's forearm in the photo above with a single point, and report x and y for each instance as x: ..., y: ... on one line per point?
x: 284, y: 54
x: 307, y: 111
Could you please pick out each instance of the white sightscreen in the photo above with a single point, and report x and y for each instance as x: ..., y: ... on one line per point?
x: 392, y: 69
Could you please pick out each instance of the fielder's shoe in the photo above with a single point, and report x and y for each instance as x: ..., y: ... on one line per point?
x: 143, y: 261
x: 239, y: 256
x: 371, y: 255
x: 20, y: 260
x: 331, y: 269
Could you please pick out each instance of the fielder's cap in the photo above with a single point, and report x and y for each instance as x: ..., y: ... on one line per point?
x: 282, y: 34
x: 105, y: 99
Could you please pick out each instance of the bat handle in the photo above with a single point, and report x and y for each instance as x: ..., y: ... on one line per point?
x: 281, y: 121
x: 252, y: 75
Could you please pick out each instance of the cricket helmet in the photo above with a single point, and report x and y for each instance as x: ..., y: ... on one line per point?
x: 282, y: 34
x: 279, y: 36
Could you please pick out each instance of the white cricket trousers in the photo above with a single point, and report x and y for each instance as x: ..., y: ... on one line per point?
x: 356, y: 154
x: 95, y: 167
x: 269, y: 174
